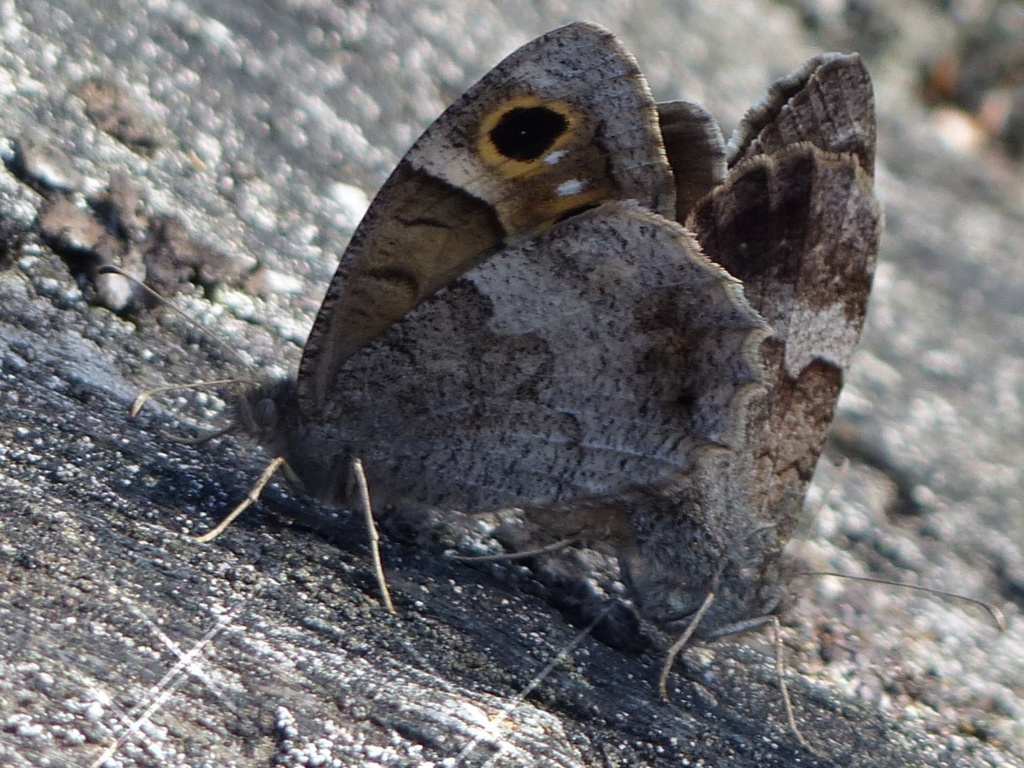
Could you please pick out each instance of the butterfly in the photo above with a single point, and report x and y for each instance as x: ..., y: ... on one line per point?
x: 573, y: 301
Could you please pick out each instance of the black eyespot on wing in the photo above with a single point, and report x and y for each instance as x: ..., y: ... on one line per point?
x: 526, y: 133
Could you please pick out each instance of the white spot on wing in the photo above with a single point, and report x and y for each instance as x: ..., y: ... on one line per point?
x: 555, y: 156
x: 570, y: 187
x: 814, y: 334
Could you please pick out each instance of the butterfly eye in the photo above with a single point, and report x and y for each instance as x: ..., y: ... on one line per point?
x: 265, y: 413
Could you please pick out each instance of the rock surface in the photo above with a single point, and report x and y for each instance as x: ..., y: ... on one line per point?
x: 123, y: 642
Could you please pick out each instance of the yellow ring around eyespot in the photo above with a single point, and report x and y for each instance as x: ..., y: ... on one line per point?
x: 509, y: 167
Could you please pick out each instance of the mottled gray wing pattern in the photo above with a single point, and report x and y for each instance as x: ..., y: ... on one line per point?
x: 598, y: 355
x: 797, y: 223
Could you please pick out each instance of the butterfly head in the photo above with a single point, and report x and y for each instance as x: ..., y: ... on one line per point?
x: 317, y: 460
x: 266, y: 410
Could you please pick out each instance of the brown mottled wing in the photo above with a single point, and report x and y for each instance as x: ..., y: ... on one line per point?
x: 695, y: 149
x: 797, y: 223
x: 595, y: 356
x: 541, y: 136
x: 828, y: 102
x: 800, y: 229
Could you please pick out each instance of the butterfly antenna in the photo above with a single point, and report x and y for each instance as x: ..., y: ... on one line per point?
x: 997, y: 615
x: 371, y: 527
x: 140, y: 401
x: 110, y: 269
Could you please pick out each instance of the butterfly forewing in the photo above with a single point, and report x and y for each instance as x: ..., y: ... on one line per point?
x: 537, y: 139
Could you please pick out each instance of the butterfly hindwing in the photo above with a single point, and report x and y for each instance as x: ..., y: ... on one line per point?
x: 607, y: 349
x: 797, y: 223
x: 828, y: 102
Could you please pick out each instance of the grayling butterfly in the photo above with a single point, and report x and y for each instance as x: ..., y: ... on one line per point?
x: 558, y: 343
